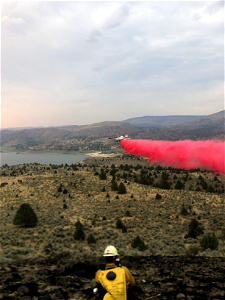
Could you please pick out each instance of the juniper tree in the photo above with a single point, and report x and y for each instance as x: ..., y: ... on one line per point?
x: 91, y: 239
x: 209, y: 241
x: 139, y: 243
x: 79, y: 233
x: 114, y: 186
x: 179, y: 185
x: 102, y: 175
x: 122, y: 189
x: 25, y: 216
x: 119, y: 224
x: 158, y: 196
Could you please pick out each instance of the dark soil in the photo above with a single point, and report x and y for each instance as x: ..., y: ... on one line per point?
x: 156, y: 277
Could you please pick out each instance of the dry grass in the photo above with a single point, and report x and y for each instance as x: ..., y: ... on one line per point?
x: 157, y: 221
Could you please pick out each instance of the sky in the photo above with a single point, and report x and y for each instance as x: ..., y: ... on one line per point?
x: 77, y: 63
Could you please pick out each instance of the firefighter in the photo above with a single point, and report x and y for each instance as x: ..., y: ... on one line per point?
x: 115, y: 281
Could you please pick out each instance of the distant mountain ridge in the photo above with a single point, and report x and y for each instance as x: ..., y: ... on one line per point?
x: 154, y: 121
x: 204, y: 127
x: 216, y: 119
x: 41, y: 135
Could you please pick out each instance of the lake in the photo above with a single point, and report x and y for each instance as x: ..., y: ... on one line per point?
x: 11, y: 158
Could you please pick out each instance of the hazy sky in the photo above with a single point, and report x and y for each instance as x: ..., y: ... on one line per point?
x: 74, y: 63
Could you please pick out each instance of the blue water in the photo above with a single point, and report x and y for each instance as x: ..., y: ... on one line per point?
x: 11, y: 158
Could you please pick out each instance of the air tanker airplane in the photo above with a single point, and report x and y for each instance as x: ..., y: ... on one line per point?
x: 120, y: 138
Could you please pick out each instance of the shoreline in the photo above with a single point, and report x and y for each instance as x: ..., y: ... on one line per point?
x: 99, y: 154
x: 91, y: 154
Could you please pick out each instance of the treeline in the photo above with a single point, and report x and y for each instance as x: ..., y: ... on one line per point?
x: 164, y: 177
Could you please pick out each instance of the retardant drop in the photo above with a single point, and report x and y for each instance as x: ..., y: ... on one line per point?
x: 185, y: 154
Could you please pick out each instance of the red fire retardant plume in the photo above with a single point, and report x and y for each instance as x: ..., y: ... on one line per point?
x: 181, y: 154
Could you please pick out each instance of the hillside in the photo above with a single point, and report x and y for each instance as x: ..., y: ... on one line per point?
x: 37, y: 135
x: 154, y: 121
x: 208, y: 126
x: 60, y: 195
x: 93, y: 137
x: 66, y: 138
x: 158, y: 205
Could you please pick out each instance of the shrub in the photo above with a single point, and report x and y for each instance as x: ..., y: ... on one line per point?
x: 119, y: 224
x: 103, y: 189
x: 25, y: 216
x: 165, y: 176
x: 210, y: 189
x: 64, y: 205
x: 79, y: 234
x: 102, y: 175
x: 114, y: 186
x: 195, y: 229
x: 93, y: 222
x: 107, y: 196
x: 179, y: 185
x: 127, y: 213
x: 164, y: 184
x: 193, y: 224
x: 192, y: 251
x: 79, y: 224
x: 59, y: 189
x: 65, y: 191
x: 139, y: 243
x: 223, y: 234
x: 158, y: 196
x: 91, y: 239
x: 124, y: 229
x: 104, y: 218
x: 209, y: 241
x: 184, y: 211
x: 122, y: 188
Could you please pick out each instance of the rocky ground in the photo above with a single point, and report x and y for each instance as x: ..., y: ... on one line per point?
x: 156, y: 277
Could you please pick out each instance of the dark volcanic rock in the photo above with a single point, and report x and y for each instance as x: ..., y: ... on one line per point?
x: 156, y: 277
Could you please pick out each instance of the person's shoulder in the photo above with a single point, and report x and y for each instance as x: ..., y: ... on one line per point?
x: 125, y: 269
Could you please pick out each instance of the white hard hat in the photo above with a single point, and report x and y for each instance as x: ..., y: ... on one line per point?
x: 110, y: 251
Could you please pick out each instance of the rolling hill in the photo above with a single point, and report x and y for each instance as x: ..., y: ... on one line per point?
x: 211, y: 126
x: 94, y: 136
x: 40, y: 135
x: 154, y: 121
